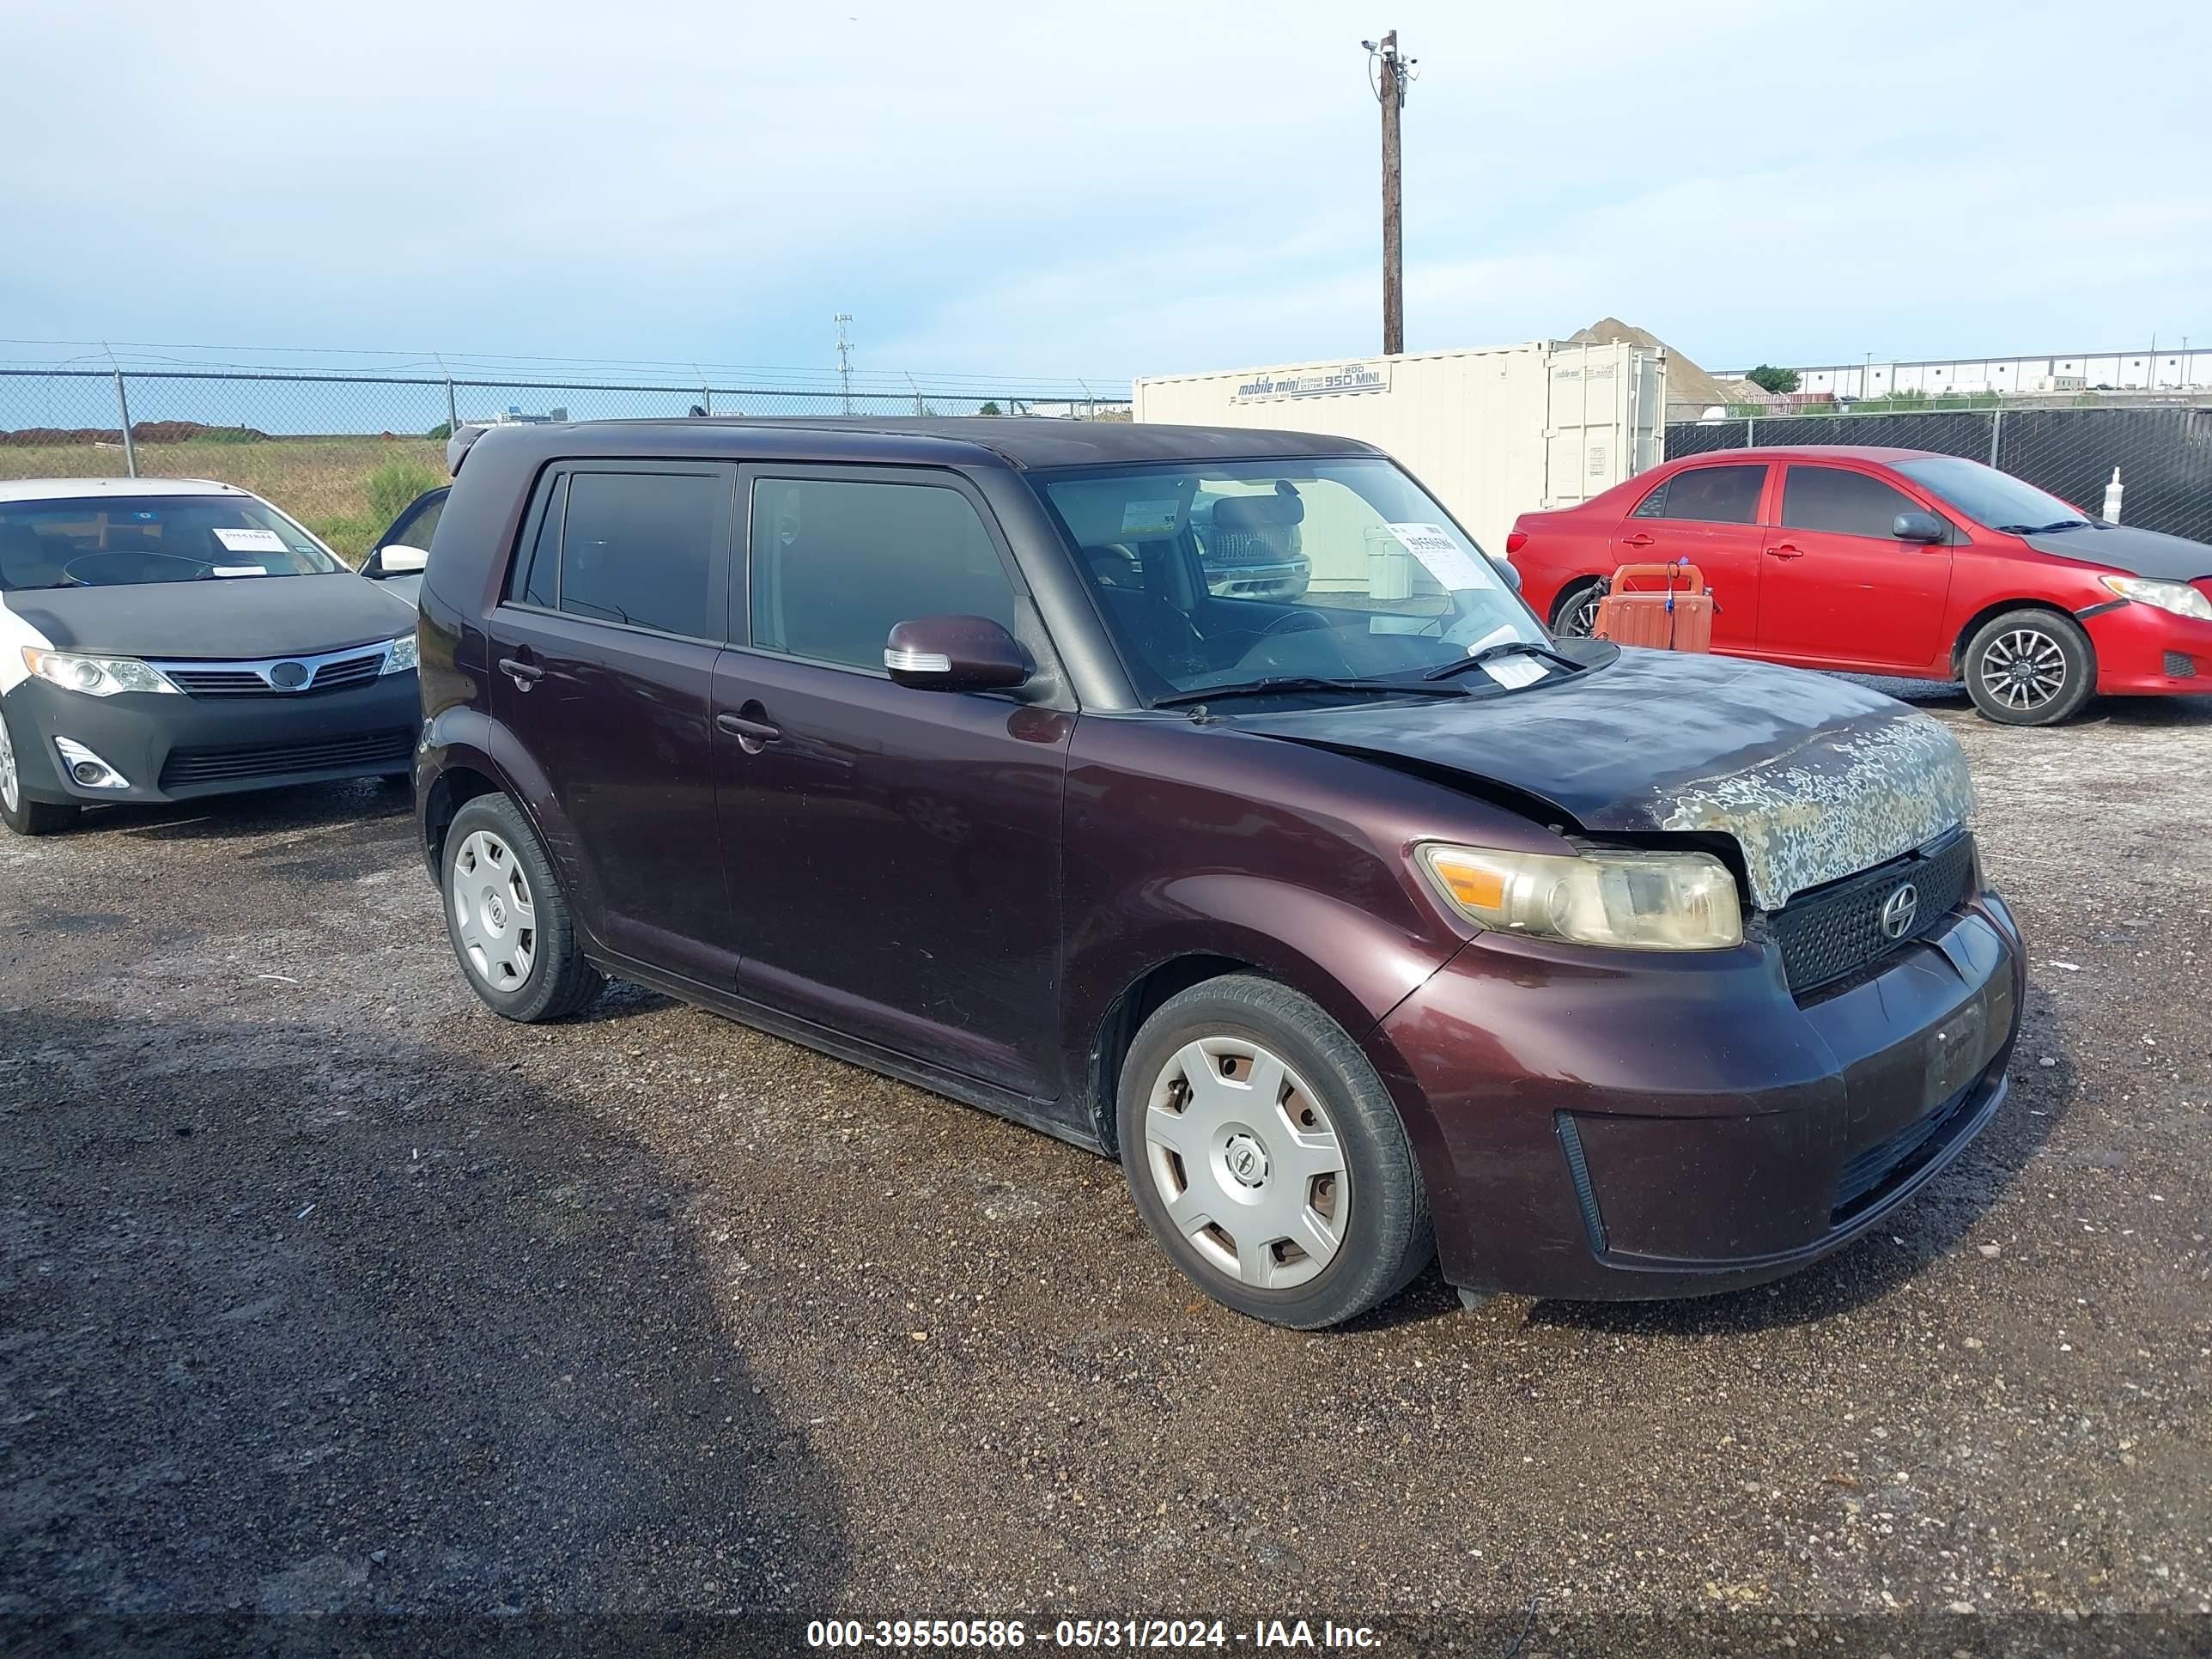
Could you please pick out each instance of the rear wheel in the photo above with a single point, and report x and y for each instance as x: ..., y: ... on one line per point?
x: 1575, y: 616
x: 509, y: 925
x: 2030, y: 667
x: 25, y: 816
x: 1268, y: 1158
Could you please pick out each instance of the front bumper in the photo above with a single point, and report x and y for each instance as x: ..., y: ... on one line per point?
x: 1677, y: 1127
x: 175, y: 747
x: 2144, y: 650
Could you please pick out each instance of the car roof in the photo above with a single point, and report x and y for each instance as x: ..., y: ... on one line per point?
x: 1818, y: 452
x: 53, y: 490
x: 972, y: 439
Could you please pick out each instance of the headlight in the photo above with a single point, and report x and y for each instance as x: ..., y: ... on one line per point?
x: 1640, y: 900
x: 96, y: 676
x: 2180, y: 598
x: 401, y: 657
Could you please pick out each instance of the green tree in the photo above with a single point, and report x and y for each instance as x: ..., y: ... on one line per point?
x: 990, y: 407
x: 1768, y: 377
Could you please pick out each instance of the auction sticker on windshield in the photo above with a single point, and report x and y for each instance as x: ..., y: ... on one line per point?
x: 1447, y: 561
x: 250, y: 541
x: 1148, y: 518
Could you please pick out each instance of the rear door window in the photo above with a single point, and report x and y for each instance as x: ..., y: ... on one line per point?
x: 837, y: 562
x: 638, y: 547
x: 1842, y: 503
x: 1710, y: 495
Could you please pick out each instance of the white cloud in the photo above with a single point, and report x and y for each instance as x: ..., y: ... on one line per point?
x: 1113, y: 188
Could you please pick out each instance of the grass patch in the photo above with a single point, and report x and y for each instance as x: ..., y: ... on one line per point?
x: 395, y: 483
x: 324, y: 482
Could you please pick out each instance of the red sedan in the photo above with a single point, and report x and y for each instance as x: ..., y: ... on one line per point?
x: 1900, y: 562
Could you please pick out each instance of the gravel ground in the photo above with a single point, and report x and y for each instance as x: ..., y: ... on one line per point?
x: 322, y: 1289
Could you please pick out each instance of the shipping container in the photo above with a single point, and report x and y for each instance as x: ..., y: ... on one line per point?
x: 1494, y: 433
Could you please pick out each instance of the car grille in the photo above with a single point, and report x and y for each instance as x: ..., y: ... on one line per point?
x: 234, y: 679
x: 2181, y: 666
x: 371, y: 751
x: 1866, y: 1175
x: 1835, y: 930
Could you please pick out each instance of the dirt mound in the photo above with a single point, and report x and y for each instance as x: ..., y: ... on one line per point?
x: 1686, y: 382
x: 144, y: 432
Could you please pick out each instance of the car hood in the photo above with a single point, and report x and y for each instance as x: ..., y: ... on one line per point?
x: 247, y: 618
x: 1815, y: 777
x: 2139, y: 552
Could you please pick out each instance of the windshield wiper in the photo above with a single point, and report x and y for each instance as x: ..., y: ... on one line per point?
x: 2045, y: 529
x: 1505, y: 648
x: 1281, y: 683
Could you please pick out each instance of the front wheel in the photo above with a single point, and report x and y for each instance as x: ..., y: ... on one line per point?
x: 2030, y: 667
x: 20, y: 813
x: 509, y: 925
x: 1267, y: 1157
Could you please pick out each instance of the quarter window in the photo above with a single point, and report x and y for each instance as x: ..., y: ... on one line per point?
x: 1842, y: 503
x: 1711, y: 495
x: 837, y: 563
x: 638, y: 547
x: 536, y: 580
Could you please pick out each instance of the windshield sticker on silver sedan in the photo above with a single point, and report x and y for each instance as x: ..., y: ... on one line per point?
x: 249, y: 541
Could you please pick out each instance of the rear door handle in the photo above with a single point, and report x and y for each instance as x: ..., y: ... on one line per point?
x: 524, y: 674
x: 1785, y: 550
x: 1641, y: 539
x: 752, y: 735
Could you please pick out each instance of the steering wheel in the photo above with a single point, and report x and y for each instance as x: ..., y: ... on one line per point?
x: 1294, y: 622
x: 127, y: 566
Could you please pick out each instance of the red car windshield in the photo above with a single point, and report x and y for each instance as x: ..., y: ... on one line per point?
x: 1989, y: 497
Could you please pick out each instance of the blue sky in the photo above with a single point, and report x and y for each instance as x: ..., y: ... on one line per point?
x: 1105, y: 189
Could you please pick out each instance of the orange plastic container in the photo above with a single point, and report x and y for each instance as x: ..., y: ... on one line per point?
x: 1665, y: 606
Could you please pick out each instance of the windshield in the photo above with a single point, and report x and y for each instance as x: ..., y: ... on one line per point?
x: 1989, y: 497
x: 110, y: 541
x: 1217, y: 574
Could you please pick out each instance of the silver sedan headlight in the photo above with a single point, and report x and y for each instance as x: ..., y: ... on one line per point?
x: 2180, y: 598
x: 96, y: 676
x: 1636, y: 900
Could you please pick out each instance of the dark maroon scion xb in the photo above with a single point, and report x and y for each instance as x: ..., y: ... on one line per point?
x: 1361, y: 925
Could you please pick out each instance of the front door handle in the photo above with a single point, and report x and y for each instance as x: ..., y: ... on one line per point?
x: 1641, y: 539
x: 752, y: 735
x: 1785, y: 550
x: 524, y: 674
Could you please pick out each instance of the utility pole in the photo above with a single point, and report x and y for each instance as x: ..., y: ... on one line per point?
x: 1392, y: 73
x: 844, y: 321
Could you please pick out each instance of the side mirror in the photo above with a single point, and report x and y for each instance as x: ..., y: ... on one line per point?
x: 955, y: 654
x: 1917, y: 527
x: 397, y: 559
x: 1506, y: 572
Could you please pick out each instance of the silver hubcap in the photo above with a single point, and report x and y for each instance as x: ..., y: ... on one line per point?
x: 1580, y: 620
x: 1246, y: 1160
x: 493, y: 916
x: 2023, y: 669
x: 8, y: 784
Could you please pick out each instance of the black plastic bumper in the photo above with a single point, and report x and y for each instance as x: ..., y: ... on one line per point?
x: 173, y: 747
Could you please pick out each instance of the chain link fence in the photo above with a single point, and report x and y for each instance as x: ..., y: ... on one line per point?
x: 341, y: 452
x: 2164, y: 455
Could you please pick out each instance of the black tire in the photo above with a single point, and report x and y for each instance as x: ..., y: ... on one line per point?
x: 1386, y: 1237
x: 24, y: 816
x: 1574, y: 614
x: 558, y: 982
x: 2013, y: 660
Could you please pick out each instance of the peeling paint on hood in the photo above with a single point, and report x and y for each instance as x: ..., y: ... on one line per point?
x: 1844, y: 799
x: 1815, y: 777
